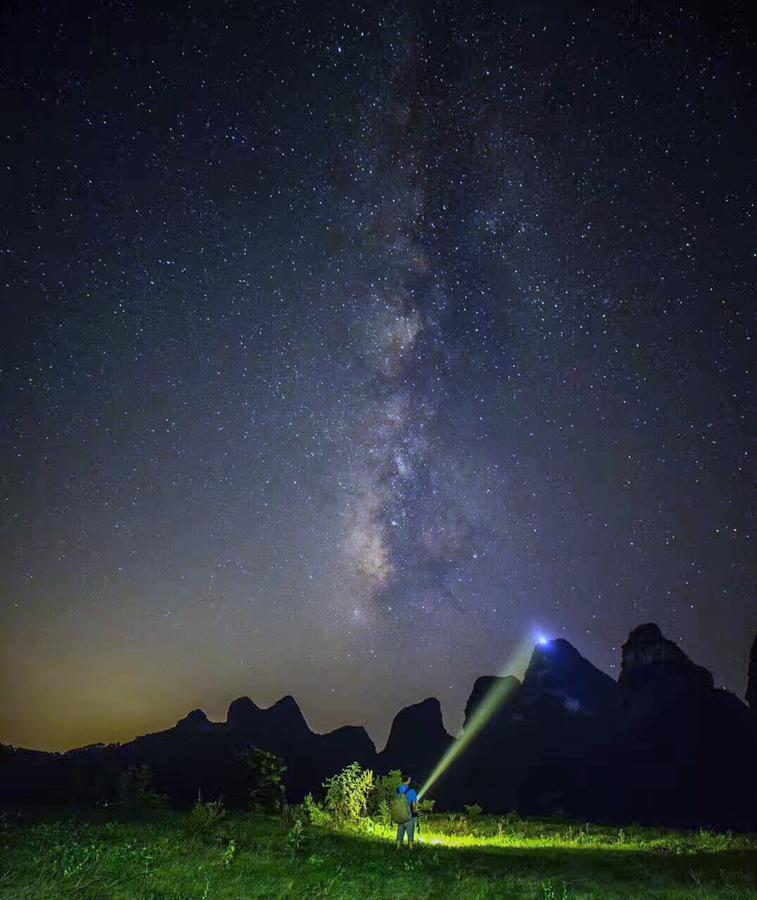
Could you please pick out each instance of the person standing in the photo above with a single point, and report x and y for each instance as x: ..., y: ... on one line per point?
x: 405, y: 813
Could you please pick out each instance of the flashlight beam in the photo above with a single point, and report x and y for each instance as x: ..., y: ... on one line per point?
x: 484, y: 712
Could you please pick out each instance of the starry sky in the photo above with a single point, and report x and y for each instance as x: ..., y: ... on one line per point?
x: 346, y: 346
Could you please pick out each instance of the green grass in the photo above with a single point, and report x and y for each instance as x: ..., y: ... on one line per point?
x: 158, y: 856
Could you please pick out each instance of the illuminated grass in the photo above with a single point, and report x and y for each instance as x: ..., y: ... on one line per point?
x: 499, y: 832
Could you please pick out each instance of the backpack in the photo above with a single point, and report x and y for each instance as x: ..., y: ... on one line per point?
x: 400, y: 809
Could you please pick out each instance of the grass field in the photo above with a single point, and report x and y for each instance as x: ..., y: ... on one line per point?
x: 162, y: 855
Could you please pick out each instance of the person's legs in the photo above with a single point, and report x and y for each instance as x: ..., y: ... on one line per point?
x: 411, y: 832
x: 401, y: 834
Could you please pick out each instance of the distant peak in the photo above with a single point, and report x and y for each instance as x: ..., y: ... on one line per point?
x: 427, y: 712
x: 553, y: 659
x: 286, y: 702
x: 647, y: 631
x: 650, y: 658
x: 556, y: 646
x: 286, y: 712
x: 558, y: 669
x: 430, y: 704
x: 242, y: 711
x: 647, y: 646
x: 195, y: 720
x: 484, y: 685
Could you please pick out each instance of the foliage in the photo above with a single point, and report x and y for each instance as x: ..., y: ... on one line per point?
x: 136, y: 788
x: 264, y: 772
x: 205, y: 818
x: 425, y: 807
x: 383, y: 790
x: 347, y: 794
x: 295, y: 837
x: 473, y: 811
x: 228, y: 854
x: 315, y: 812
x: 384, y: 812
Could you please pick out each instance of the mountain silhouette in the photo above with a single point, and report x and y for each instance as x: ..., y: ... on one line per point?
x: 417, y: 740
x: 660, y: 745
x: 681, y: 744
x: 558, y: 670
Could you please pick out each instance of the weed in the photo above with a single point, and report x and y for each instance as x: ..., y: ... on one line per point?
x: 205, y: 818
x: 384, y: 812
x: 228, y: 854
x: 295, y: 837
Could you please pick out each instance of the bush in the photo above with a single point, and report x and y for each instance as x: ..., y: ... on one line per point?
x: 347, y: 794
x: 205, y: 818
x: 473, y: 811
x: 264, y: 773
x: 316, y: 814
x: 383, y: 791
x: 425, y: 806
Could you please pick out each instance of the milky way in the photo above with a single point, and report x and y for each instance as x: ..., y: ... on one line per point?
x: 348, y: 348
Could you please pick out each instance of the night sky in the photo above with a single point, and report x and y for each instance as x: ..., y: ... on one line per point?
x: 347, y: 346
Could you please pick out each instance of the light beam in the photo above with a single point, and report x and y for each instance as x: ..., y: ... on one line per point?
x: 493, y: 700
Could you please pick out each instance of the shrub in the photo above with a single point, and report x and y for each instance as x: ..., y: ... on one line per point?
x: 425, y: 806
x: 205, y: 818
x: 347, y: 793
x: 316, y: 814
x: 473, y: 811
x: 264, y: 773
x: 383, y: 791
